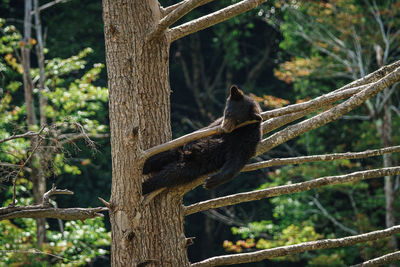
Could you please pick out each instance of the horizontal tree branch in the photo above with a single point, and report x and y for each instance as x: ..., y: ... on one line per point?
x: 178, y: 12
x: 24, y: 135
x: 44, y: 210
x: 213, y: 18
x: 289, y: 189
x: 385, y: 259
x: 294, y: 249
x: 56, y: 213
x: 330, y: 115
x: 327, y: 157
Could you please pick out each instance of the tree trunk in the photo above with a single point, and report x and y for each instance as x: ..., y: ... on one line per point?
x: 386, y: 136
x: 39, y: 188
x: 138, y: 80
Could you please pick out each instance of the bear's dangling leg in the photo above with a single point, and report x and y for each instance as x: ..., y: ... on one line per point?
x: 228, y: 171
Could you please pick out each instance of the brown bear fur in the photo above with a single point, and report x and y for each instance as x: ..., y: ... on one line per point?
x: 223, y: 154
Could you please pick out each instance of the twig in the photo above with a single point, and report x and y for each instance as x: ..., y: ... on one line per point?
x: 332, y: 219
x: 314, y: 158
x: 34, y: 251
x: 385, y: 259
x: 213, y: 18
x: 107, y: 204
x: 25, y: 135
x: 289, y: 189
x: 294, y: 249
x: 54, y: 191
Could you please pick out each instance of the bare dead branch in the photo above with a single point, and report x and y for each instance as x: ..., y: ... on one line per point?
x: 107, y: 204
x: 374, y: 76
x: 24, y: 135
x: 50, y: 4
x: 315, y: 103
x: 56, y: 213
x: 54, y: 191
x: 213, y: 18
x: 332, y: 114
x: 385, y: 259
x: 294, y: 249
x: 289, y: 189
x: 166, y: 10
x: 45, y: 210
x: 327, y: 157
x: 32, y: 251
x: 178, y: 12
x: 70, y: 138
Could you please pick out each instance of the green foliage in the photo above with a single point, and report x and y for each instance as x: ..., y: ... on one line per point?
x: 76, y: 106
x: 77, y: 245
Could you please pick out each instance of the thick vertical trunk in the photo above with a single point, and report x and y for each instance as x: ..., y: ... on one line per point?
x: 38, y: 179
x: 138, y: 80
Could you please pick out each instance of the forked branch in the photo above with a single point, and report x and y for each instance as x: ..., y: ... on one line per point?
x: 294, y: 249
x: 213, y: 18
x: 181, y: 10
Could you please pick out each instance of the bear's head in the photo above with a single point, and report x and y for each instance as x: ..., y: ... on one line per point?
x: 239, y: 108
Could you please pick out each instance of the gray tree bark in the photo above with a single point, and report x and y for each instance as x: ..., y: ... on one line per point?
x: 138, y: 80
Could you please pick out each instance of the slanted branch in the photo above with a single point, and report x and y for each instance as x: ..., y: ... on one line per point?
x: 24, y: 135
x: 359, y: 91
x: 385, y: 259
x: 44, y: 210
x: 294, y: 249
x: 289, y: 189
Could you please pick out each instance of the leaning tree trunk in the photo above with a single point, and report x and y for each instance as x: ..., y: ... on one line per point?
x: 138, y: 80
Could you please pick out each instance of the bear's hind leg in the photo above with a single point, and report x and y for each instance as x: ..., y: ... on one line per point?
x: 228, y: 171
x: 175, y: 173
x: 158, y: 161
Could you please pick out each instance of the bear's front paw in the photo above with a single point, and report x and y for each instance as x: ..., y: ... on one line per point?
x: 211, y: 182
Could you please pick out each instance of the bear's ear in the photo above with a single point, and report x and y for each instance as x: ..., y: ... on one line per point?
x: 236, y: 93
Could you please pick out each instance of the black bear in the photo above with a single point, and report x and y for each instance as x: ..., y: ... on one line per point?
x: 226, y: 153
